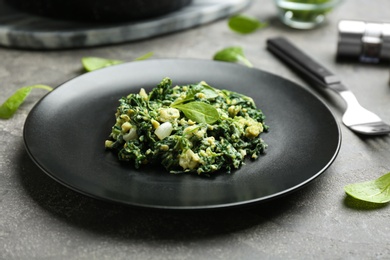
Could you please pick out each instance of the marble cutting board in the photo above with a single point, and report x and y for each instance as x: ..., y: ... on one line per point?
x: 25, y: 31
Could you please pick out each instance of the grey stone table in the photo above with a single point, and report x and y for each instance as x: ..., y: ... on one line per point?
x: 41, y: 219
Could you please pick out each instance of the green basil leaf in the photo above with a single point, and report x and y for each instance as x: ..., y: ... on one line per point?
x: 199, y: 112
x: 95, y: 63
x: 11, y: 105
x: 245, y: 24
x: 232, y: 54
x: 376, y: 191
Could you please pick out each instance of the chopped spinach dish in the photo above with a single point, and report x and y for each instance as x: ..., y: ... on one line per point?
x: 191, y: 128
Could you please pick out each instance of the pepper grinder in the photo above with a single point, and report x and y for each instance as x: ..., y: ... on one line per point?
x: 367, y: 42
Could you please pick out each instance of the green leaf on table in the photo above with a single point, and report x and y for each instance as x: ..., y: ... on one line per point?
x: 199, y: 112
x: 11, y: 105
x: 245, y: 24
x: 95, y: 63
x: 145, y: 56
x: 232, y: 54
x: 376, y: 191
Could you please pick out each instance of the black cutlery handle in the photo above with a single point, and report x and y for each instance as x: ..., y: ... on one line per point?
x: 298, y: 60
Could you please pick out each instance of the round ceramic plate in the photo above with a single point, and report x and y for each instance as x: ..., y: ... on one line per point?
x: 65, y: 132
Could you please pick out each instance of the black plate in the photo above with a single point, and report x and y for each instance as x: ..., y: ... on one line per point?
x: 65, y: 133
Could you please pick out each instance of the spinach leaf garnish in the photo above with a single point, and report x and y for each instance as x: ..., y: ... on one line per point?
x: 232, y: 54
x: 244, y: 24
x: 9, y: 107
x: 199, y: 112
x: 376, y: 191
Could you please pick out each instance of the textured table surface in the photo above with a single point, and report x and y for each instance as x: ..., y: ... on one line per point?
x: 41, y: 219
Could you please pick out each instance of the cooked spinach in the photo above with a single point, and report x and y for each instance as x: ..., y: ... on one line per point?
x: 189, y: 128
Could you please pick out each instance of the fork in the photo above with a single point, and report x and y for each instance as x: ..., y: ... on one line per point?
x: 355, y: 117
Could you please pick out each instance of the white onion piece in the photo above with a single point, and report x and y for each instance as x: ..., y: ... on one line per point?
x: 164, y: 130
x: 131, y: 135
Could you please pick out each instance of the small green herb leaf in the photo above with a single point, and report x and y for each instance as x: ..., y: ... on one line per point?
x: 232, y: 54
x: 245, y: 24
x: 95, y: 63
x: 11, y: 105
x: 199, y: 112
x: 145, y: 56
x: 376, y: 191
